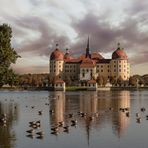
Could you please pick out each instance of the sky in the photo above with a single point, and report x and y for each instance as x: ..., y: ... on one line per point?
x: 38, y: 25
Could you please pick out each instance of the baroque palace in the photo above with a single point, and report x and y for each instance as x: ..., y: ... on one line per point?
x: 89, y: 65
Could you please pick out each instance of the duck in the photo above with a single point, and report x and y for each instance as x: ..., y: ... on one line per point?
x: 61, y: 123
x: 138, y: 120
x: 40, y: 137
x: 66, y: 129
x: 143, y: 109
x: 54, y: 129
x: 127, y: 114
x: 137, y: 114
x: 30, y: 136
x: 70, y: 115
x: 40, y: 133
x: 40, y: 112
x: 73, y: 122
x: 51, y: 111
x: 30, y: 131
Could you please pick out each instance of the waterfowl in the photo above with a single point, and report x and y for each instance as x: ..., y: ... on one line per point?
x: 66, y: 130
x: 40, y: 137
x: 40, y: 112
x: 70, y: 115
x: 51, y: 111
x: 54, y: 129
x: 30, y: 131
x: 61, y: 123
x: 30, y: 136
x: 73, y: 122
x: 127, y: 114
x: 143, y: 109
x: 138, y: 120
x: 41, y: 133
x: 137, y: 114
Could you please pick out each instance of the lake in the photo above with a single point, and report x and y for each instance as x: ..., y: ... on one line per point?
x: 85, y: 119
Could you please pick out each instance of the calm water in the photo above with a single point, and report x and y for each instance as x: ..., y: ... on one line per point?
x: 104, y: 125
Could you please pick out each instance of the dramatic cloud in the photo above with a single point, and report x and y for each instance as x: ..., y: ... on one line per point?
x: 39, y: 24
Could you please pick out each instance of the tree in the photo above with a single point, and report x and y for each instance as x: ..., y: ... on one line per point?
x: 112, y: 80
x: 105, y: 81
x: 120, y: 81
x: 99, y: 80
x: 7, y: 54
x: 133, y: 81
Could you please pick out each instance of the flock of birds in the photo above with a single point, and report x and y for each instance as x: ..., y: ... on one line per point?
x: 35, y: 126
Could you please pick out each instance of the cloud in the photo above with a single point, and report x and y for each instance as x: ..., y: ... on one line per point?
x: 38, y: 24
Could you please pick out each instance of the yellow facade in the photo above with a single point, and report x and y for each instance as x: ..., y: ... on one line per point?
x: 85, y: 67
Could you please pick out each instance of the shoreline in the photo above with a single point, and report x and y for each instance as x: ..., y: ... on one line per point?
x: 72, y: 88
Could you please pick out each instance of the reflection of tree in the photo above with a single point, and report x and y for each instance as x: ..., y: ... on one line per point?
x: 7, y: 137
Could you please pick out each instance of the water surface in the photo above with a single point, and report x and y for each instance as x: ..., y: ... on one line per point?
x: 104, y: 125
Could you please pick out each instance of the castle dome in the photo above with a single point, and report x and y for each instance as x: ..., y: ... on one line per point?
x: 57, y: 54
x: 67, y: 55
x: 119, y: 53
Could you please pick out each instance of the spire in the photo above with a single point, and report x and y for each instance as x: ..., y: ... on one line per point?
x: 88, y: 43
x: 88, y: 55
x: 57, y: 45
x: 118, y: 45
x: 67, y: 50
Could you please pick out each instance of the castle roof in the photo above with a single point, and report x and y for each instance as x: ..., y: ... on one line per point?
x: 119, y: 53
x: 91, y: 82
x: 105, y: 61
x: 58, y: 81
x: 87, y: 63
x: 57, y: 54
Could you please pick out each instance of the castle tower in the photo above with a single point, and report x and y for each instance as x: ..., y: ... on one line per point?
x: 120, y: 67
x: 56, y: 63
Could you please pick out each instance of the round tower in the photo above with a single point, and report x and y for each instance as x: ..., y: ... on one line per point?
x: 120, y: 66
x: 56, y: 63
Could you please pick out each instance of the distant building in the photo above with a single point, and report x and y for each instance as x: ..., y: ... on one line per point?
x: 89, y: 65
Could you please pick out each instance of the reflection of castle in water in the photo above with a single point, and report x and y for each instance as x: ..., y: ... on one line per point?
x: 99, y: 109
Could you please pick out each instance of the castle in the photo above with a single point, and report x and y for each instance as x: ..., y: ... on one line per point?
x: 89, y: 66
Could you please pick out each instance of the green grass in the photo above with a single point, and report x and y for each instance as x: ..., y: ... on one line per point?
x: 75, y: 88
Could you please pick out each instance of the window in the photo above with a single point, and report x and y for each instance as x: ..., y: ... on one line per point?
x: 101, y: 66
x: 87, y: 70
x: 101, y: 70
x: 114, y: 65
x: 119, y: 70
x: 108, y: 66
x: 108, y: 70
x: 119, y: 65
x: 83, y: 74
x: 114, y: 70
x: 114, y: 61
